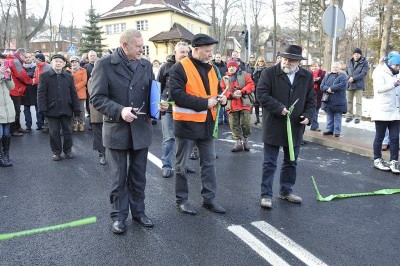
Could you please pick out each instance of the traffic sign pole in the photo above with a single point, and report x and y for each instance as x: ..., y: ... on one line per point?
x: 334, y: 34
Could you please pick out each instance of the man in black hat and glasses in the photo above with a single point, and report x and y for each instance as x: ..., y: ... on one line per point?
x: 194, y: 87
x: 278, y: 88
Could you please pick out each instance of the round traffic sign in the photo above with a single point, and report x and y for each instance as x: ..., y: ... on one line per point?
x: 328, y: 21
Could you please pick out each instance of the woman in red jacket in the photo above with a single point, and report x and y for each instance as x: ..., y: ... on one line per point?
x: 239, y: 84
x: 80, y: 79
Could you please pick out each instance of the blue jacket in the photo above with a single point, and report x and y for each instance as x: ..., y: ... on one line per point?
x: 358, y: 70
x: 337, y: 102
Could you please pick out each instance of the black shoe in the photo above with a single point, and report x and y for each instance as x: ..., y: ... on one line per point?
x: 327, y: 133
x: 186, y: 208
x: 21, y: 130
x: 69, y: 155
x: 28, y: 128
x: 190, y: 170
x: 348, y: 119
x: 17, y: 134
x: 220, y: 122
x: 214, y: 207
x: 357, y: 120
x: 118, y: 227
x: 144, y: 221
x: 56, y: 157
x: 337, y: 135
x: 39, y: 128
x: 166, y: 172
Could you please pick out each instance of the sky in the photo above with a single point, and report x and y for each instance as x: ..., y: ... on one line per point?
x: 79, y: 8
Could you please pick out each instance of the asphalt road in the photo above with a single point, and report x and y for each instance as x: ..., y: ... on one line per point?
x: 37, y: 192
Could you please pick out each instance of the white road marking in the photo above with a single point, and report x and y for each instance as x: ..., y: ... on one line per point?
x: 152, y: 158
x: 257, y: 245
x: 301, y: 253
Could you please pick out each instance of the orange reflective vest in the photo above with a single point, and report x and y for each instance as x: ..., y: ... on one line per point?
x: 194, y: 86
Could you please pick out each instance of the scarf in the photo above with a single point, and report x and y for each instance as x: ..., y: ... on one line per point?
x: 75, y: 68
x: 130, y: 64
x: 31, y: 65
x: 394, y: 72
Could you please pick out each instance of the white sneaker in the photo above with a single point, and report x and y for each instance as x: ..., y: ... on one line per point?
x: 381, y: 164
x: 266, y: 203
x: 394, y: 166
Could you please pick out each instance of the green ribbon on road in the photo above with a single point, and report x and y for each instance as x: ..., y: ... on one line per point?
x: 387, y: 191
x: 215, y: 131
x: 49, y: 228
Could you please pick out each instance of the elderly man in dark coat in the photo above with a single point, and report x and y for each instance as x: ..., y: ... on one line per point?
x: 120, y: 84
x: 57, y: 100
x: 279, y: 87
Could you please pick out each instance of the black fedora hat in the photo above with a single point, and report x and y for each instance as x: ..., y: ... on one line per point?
x: 293, y: 52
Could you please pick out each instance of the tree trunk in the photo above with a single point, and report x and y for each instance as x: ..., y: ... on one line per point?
x: 24, y: 38
x: 274, y: 14
x: 387, y: 28
x: 300, y: 19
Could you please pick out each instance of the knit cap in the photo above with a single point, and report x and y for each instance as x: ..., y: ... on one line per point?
x: 393, y: 58
x: 357, y: 51
x: 232, y: 62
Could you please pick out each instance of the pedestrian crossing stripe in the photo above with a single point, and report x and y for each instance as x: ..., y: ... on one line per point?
x: 280, y: 238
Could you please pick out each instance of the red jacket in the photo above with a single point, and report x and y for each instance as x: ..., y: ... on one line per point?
x: 40, y: 68
x: 237, y: 104
x: 19, y: 75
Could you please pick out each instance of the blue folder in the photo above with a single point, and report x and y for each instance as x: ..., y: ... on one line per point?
x: 154, y: 99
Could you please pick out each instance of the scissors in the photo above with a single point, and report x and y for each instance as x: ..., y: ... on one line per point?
x: 138, y: 111
x: 291, y: 108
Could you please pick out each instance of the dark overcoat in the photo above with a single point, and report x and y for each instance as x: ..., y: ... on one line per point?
x: 115, y: 87
x: 57, y: 94
x: 30, y: 96
x: 337, y: 101
x: 274, y: 93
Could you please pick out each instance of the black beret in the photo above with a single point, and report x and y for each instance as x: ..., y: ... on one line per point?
x: 58, y: 56
x: 202, y: 39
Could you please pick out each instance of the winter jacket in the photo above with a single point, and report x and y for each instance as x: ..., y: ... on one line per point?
x: 386, y: 95
x: 80, y: 80
x: 89, y: 68
x: 40, y: 68
x: 274, y: 93
x: 19, y: 75
x: 337, y: 101
x: 256, y: 77
x: 221, y: 67
x: 114, y: 87
x: 358, y: 71
x: 177, y: 84
x: 247, y: 88
x: 95, y: 116
x: 317, y: 84
x: 57, y: 94
x: 7, y: 111
x: 30, y: 96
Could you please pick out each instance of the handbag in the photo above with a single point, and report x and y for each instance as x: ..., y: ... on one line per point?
x: 325, y: 97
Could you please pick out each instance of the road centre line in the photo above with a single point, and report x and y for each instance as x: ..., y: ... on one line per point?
x: 152, y: 158
x: 280, y: 238
x: 257, y: 245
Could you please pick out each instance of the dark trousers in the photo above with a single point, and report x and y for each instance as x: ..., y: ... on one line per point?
x: 128, y: 182
x: 97, y: 137
x: 380, y: 130
x: 28, y: 116
x: 17, y: 106
x: 288, y: 170
x: 55, y: 126
x: 207, y: 165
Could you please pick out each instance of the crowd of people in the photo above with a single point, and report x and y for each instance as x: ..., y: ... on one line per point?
x: 195, y: 86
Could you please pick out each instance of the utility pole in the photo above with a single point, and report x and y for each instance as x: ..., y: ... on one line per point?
x: 248, y: 15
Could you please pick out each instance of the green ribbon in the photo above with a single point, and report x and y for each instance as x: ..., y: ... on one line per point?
x: 215, y: 131
x: 289, y: 133
x: 49, y: 228
x: 387, y: 191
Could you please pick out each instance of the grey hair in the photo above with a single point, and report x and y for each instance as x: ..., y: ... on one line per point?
x: 338, y: 64
x: 92, y: 52
x: 128, y: 35
x: 21, y: 51
x: 180, y: 44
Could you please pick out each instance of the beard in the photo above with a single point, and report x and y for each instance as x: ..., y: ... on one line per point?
x: 288, y: 69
